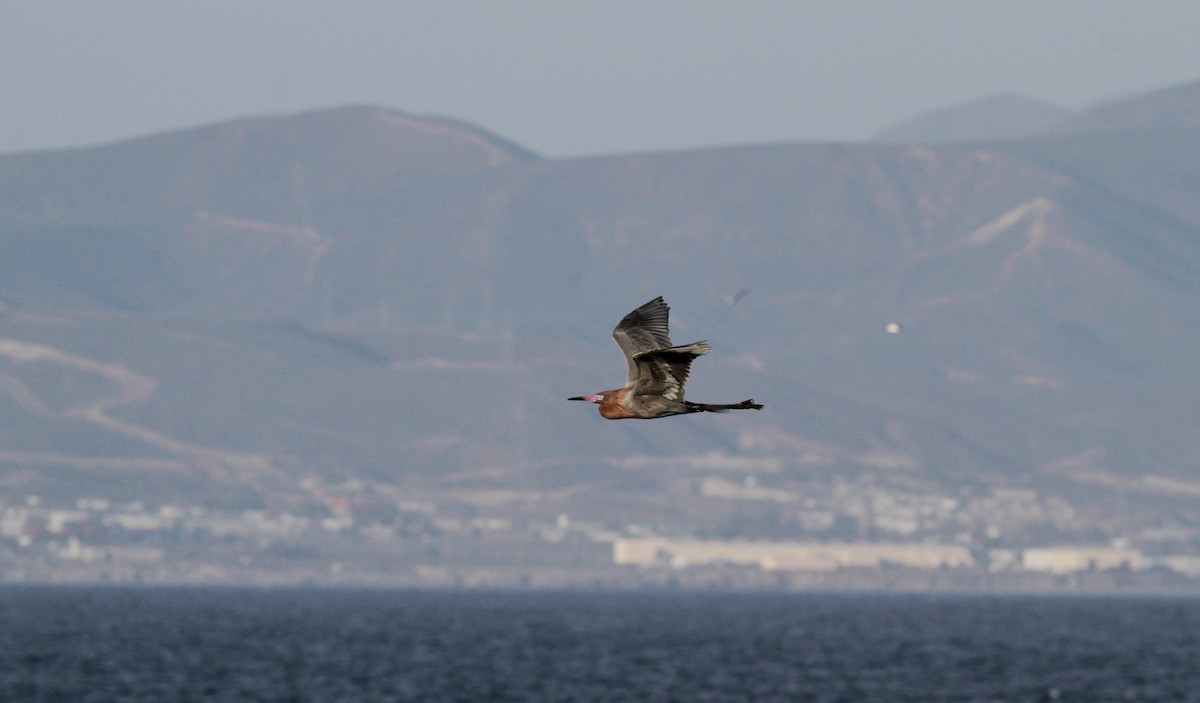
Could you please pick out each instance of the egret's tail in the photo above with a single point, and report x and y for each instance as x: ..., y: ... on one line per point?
x: 710, y: 408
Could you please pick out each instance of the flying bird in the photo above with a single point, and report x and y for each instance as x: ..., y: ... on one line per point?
x: 736, y: 296
x: 657, y: 370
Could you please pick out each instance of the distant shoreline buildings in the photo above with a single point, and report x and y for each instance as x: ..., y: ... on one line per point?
x: 98, y: 541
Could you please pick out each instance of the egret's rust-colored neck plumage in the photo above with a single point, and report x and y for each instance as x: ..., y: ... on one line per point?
x: 612, y: 405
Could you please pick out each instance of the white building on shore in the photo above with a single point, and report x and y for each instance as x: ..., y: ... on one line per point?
x: 784, y: 556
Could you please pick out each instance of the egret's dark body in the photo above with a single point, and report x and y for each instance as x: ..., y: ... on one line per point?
x: 658, y: 371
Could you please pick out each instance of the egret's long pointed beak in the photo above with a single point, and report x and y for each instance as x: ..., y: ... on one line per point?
x: 589, y: 398
x: 578, y: 397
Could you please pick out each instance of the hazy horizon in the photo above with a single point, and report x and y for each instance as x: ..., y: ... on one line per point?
x: 573, y: 79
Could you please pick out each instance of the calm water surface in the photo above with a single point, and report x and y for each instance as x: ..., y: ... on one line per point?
x: 135, y: 644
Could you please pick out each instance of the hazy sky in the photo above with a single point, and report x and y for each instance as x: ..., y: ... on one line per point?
x: 565, y: 77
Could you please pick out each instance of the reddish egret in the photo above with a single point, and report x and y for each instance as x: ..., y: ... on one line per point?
x: 657, y: 370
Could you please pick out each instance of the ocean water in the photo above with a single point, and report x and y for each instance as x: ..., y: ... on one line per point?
x: 226, y: 644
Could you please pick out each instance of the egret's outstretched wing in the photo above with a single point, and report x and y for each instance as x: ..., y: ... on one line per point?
x: 643, y: 330
x: 664, y: 372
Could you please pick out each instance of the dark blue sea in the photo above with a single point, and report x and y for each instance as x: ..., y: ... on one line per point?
x: 225, y: 644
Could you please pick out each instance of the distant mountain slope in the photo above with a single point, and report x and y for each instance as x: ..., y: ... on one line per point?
x: 1176, y: 107
x: 1004, y: 117
x: 990, y: 118
x: 246, y: 196
x: 354, y: 294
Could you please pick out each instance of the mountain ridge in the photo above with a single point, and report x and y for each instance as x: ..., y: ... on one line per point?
x: 344, y: 296
x: 989, y: 118
x: 1007, y: 116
